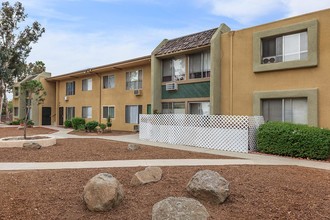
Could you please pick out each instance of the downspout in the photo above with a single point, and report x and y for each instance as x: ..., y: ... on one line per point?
x: 100, y: 98
x: 231, y: 74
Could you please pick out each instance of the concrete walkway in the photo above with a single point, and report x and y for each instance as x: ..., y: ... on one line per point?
x: 242, y: 158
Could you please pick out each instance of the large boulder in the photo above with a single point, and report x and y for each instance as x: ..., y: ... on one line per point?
x: 103, y: 192
x: 31, y: 146
x: 209, y: 185
x: 179, y: 208
x: 148, y: 175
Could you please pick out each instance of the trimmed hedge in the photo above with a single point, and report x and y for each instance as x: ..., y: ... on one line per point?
x: 77, y: 122
x: 68, y: 124
x: 91, y: 125
x: 294, y: 140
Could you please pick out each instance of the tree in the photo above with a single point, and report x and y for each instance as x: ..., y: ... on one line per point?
x: 34, y: 93
x: 15, y: 44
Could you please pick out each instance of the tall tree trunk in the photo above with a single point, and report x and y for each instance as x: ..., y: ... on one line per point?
x: 2, y: 91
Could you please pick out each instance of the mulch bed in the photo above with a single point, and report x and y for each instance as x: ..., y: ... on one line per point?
x: 13, y: 131
x: 112, y: 133
x: 257, y: 192
x: 96, y: 150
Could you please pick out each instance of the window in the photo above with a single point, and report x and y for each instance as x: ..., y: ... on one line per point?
x: 108, y: 111
x: 70, y: 88
x: 134, y: 80
x: 86, y: 112
x: 285, y: 48
x: 287, y: 109
x: 86, y: 84
x: 15, y: 111
x: 199, y: 65
x: 174, y: 69
x: 132, y: 113
x: 70, y: 113
x: 108, y: 82
x: 199, y: 108
x: 173, y: 108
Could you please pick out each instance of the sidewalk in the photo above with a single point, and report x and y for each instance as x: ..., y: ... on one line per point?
x: 242, y: 158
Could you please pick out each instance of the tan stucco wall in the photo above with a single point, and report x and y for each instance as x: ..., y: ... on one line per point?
x: 239, y: 81
x: 118, y: 96
x: 49, y: 100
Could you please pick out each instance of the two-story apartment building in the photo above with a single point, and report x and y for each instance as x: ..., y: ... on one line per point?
x: 279, y: 70
x: 43, y: 114
x: 119, y: 90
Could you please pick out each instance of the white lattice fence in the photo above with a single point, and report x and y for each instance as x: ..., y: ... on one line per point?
x: 229, y: 133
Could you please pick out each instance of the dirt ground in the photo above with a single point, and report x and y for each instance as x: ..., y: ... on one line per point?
x: 13, y: 131
x: 257, y: 192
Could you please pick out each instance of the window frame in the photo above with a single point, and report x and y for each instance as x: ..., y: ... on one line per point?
x: 312, y: 38
x: 91, y: 112
x: 108, y: 86
x: 172, y: 106
x: 73, y: 113
x: 67, y: 92
x: 108, y: 106
x: 310, y: 94
x: 139, y: 112
x: 130, y: 82
x: 172, y: 70
x: 202, y: 55
x: 87, y: 80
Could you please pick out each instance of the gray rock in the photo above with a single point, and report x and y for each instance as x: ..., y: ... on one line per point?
x: 209, y: 185
x: 31, y: 146
x: 103, y: 192
x: 179, y: 208
x: 148, y: 175
x: 133, y: 147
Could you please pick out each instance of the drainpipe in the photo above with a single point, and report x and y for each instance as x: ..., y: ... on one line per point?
x: 231, y: 74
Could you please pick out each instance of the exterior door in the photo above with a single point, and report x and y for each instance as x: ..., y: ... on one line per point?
x: 46, y: 115
x: 60, y: 115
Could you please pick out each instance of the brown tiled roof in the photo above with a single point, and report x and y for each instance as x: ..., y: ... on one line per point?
x: 187, y: 42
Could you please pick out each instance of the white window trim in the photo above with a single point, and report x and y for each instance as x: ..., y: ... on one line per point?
x: 109, y: 106
x: 91, y: 112
x: 91, y: 84
x: 114, y: 82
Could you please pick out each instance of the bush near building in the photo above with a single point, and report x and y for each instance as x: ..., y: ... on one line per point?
x: 78, y: 122
x: 294, y: 140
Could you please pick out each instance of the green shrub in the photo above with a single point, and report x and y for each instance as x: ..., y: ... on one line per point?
x: 81, y: 128
x: 17, y: 122
x: 293, y: 140
x: 30, y: 123
x: 68, y: 124
x: 91, y: 125
x: 76, y: 122
x: 102, y: 126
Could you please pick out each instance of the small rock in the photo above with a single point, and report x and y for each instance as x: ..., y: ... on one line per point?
x: 31, y: 146
x: 209, y: 185
x: 149, y: 175
x: 179, y: 208
x: 20, y: 127
x: 133, y: 147
x: 103, y: 192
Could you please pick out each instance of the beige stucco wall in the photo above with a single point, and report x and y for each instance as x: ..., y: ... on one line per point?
x: 118, y: 96
x: 49, y: 99
x: 239, y: 82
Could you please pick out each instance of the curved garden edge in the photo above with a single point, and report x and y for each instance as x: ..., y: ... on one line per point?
x: 43, y: 142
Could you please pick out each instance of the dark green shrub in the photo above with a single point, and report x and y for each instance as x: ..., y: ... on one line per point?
x: 102, y: 126
x: 17, y: 122
x: 76, y: 122
x: 293, y: 140
x: 30, y: 123
x: 91, y: 125
x: 68, y: 124
x: 81, y: 128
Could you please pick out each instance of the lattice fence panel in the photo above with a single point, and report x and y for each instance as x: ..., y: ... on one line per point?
x: 230, y: 133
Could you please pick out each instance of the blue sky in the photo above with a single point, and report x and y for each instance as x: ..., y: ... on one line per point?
x: 87, y: 33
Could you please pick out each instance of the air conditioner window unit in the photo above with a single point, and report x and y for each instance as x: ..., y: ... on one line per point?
x: 66, y: 98
x: 171, y: 86
x: 271, y: 59
x: 137, y: 92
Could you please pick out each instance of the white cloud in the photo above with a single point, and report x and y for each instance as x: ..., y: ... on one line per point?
x: 249, y: 11
x: 243, y: 11
x: 297, y: 7
x: 64, y: 51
